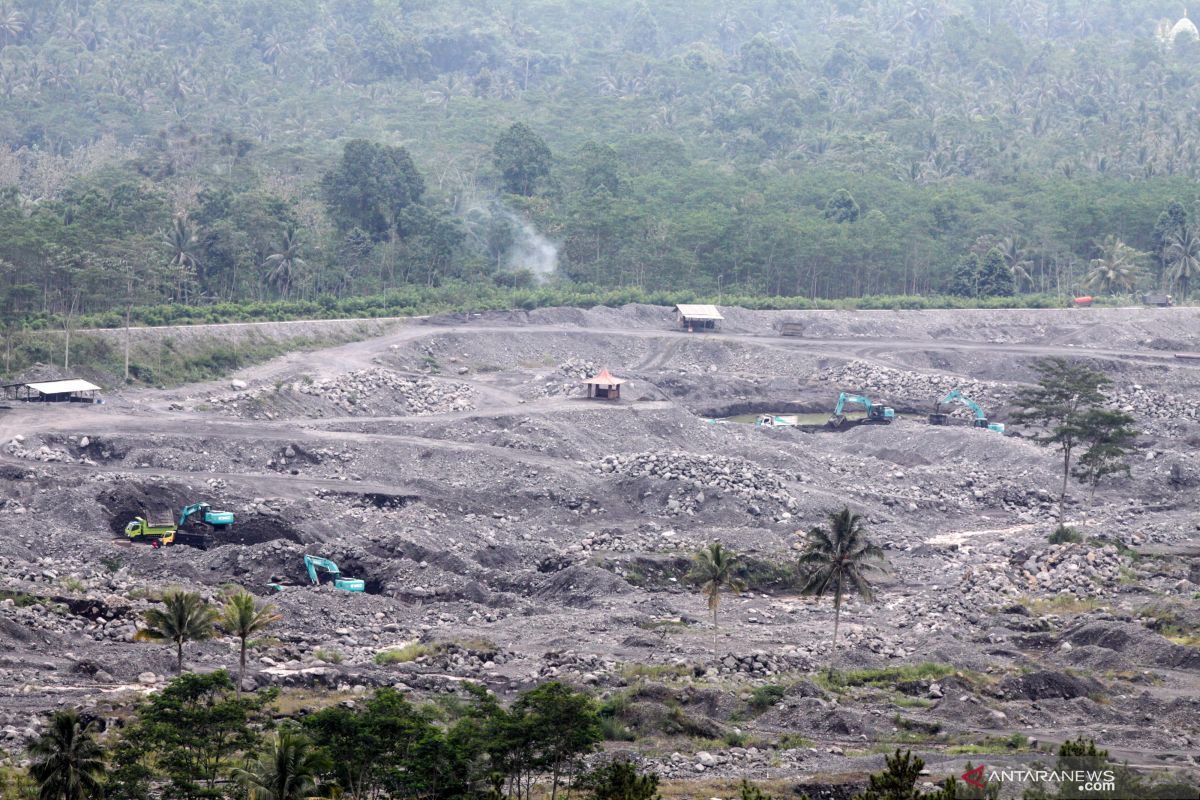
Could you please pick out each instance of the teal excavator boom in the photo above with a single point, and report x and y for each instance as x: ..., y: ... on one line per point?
x: 203, y: 514
x: 317, y: 565
x: 938, y: 417
x: 877, y: 413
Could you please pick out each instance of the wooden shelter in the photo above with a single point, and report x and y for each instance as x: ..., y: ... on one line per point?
x: 697, y: 317
x: 603, y: 386
x: 73, y: 390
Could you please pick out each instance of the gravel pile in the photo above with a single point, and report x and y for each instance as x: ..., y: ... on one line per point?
x: 1136, y: 399
x: 565, y: 381
x: 887, y: 382
x: 365, y: 392
x: 1058, y: 569
x: 711, y: 475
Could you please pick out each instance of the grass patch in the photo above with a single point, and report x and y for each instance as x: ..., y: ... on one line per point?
x: 792, y: 741
x: 405, y: 653
x: 329, y: 656
x: 991, y: 745
x: 72, y: 585
x: 111, y: 563
x: 293, y: 702
x: 763, y: 697
x: 631, y: 672
x: 883, y: 676
x: 22, y: 599
x: 1062, y: 604
x: 904, y: 701
x: 668, y: 625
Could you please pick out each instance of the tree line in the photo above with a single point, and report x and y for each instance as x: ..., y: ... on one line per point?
x: 240, y: 151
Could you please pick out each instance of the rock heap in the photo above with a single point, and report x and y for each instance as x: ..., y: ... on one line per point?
x: 1077, y: 569
x: 1149, y: 404
x: 365, y: 392
x: 893, y: 383
x: 709, y: 474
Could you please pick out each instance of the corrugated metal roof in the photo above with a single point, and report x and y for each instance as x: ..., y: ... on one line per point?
x: 62, y: 387
x: 604, y: 378
x: 699, y: 311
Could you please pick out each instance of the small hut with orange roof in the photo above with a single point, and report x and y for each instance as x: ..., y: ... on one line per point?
x: 603, y: 386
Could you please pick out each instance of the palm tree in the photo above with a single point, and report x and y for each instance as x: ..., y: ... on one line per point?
x: 289, y: 770
x: 181, y: 244
x: 1183, y: 259
x: 712, y: 569
x: 185, y: 618
x: 12, y: 25
x: 1018, y: 261
x: 1116, y: 270
x: 284, y: 264
x: 241, y: 618
x: 839, y: 559
x: 68, y: 764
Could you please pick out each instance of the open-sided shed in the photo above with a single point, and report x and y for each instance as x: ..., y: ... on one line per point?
x: 697, y: 317
x: 72, y: 390
x: 603, y: 386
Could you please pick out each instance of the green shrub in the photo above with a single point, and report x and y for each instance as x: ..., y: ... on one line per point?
x: 763, y: 697
x: 1064, y: 534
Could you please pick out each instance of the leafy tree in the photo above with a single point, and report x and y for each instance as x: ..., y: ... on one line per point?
x: 995, y: 277
x: 195, y: 727
x: 521, y: 158
x: 67, y: 764
x: 185, y: 617
x: 1067, y: 392
x: 1116, y: 270
x: 965, y: 282
x: 1183, y: 259
x: 713, y: 571
x: 370, y: 187
x: 841, y: 207
x: 290, y: 769
x: 391, y: 748
x: 242, y: 617
x: 620, y: 780
x: 1107, y: 434
x: 545, y: 733
x: 839, y: 559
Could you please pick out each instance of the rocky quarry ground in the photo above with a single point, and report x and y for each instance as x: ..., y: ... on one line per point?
x: 520, y: 533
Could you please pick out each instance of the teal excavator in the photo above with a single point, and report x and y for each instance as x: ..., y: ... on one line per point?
x: 202, y: 516
x: 877, y: 413
x: 322, y: 570
x: 938, y: 417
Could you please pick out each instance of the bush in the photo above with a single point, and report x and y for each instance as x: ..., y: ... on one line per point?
x: 1064, y: 534
x: 763, y: 697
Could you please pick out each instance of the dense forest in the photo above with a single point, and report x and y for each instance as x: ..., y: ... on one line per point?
x: 213, y: 151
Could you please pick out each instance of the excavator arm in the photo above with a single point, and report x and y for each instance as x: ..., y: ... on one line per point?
x: 316, y: 564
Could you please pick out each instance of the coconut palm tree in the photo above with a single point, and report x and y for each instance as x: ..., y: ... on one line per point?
x: 68, y: 764
x: 1016, y: 257
x: 712, y: 569
x: 185, y: 617
x: 839, y: 559
x: 242, y: 617
x: 182, y: 246
x: 1183, y: 259
x: 290, y: 769
x: 1116, y: 270
x: 285, y: 264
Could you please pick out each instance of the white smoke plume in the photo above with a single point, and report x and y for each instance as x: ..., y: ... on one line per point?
x: 531, y: 251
